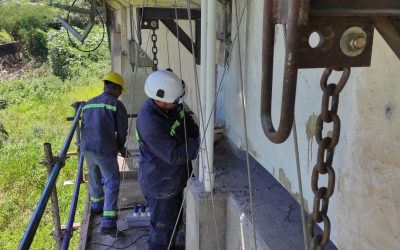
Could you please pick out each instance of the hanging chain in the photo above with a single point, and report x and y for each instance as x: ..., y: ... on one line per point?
x: 154, y: 49
x: 330, y: 99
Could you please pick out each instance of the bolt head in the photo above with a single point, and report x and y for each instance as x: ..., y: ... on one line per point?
x: 358, y: 43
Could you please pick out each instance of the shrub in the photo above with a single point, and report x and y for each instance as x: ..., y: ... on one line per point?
x: 66, y: 61
x: 26, y: 23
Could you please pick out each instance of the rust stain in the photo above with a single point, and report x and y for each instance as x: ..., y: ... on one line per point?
x: 310, y: 132
x: 288, y: 186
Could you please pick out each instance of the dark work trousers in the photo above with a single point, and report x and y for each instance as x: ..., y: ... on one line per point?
x: 163, y: 216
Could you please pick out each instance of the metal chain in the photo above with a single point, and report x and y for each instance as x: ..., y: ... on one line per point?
x: 154, y: 49
x: 329, y: 108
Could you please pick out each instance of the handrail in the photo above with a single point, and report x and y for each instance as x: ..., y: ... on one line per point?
x: 38, y: 213
x: 295, y: 18
x: 74, y: 203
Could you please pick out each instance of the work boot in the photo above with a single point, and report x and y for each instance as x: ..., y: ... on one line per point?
x: 112, y: 231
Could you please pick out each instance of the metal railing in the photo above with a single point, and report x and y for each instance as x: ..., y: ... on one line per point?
x: 57, y: 163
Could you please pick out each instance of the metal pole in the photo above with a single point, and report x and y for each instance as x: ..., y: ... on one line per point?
x: 210, y: 95
x: 203, y: 81
x: 74, y: 203
x: 39, y: 210
x: 48, y: 156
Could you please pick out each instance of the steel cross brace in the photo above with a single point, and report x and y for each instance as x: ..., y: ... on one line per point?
x: 148, y: 19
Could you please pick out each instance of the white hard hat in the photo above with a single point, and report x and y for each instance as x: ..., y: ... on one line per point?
x: 164, y: 86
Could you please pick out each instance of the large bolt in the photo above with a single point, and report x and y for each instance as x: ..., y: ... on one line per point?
x: 153, y: 24
x: 353, y: 41
x: 359, y: 42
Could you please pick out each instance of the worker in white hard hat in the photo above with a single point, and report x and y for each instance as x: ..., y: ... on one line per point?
x: 168, y: 140
x: 104, y: 131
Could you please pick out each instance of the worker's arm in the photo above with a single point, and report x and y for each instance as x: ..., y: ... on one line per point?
x: 166, y: 148
x: 121, y: 124
x: 191, y: 126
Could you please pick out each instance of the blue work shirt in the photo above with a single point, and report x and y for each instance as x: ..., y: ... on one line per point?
x: 104, y: 125
x: 163, y: 169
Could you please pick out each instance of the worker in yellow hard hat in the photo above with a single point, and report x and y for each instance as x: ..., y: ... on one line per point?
x: 115, y: 78
x: 104, y: 131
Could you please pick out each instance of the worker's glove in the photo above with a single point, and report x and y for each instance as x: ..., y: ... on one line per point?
x: 124, y: 152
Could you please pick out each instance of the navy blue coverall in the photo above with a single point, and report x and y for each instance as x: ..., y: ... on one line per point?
x: 104, y: 131
x: 163, y: 168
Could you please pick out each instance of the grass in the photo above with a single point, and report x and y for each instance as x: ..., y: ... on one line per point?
x: 5, y: 37
x: 37, y: 105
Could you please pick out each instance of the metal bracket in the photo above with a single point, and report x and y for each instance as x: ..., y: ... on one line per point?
x: 148, y: 19
x: 344, y: 32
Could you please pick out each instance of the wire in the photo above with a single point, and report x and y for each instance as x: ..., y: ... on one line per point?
x: 113, y: 247
x: 166, y: 41
x: 184, y: 128
x: 214, y: 104
x: 303, y: 217
x: 124, y: 163
x: 306, y: 237
x: 72, y: 42
x: 245, y: 128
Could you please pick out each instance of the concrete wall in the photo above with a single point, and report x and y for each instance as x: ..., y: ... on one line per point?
x: 363, y: 210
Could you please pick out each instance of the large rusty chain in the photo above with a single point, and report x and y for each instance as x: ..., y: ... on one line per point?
x: 154, y: 49
x: 326, y: 147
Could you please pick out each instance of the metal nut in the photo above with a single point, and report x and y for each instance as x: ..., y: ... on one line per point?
x: 358, y: 43
x: 353, y: 41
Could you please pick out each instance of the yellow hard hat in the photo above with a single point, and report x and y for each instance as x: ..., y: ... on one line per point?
x: 116, y: 79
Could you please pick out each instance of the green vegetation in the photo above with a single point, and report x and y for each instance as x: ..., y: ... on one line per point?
x: 66, y: 61
x: 33, y: 108
x: 5, y: 37
x: 38, y: 105
x: 28, y: 23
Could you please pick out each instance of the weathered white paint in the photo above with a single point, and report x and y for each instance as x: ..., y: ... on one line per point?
x: 364, y: 208
x: 203, y: 88
x: 210, y: 95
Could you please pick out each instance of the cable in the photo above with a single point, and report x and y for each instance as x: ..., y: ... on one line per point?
x: 124, y: 163
x: 113, y: 247
x: 245, y: 129
x: 217, y: 93
x: 303, y: 217
x: 184, y: 128
x: 306, y: 237
x: 72, y: 42
x: 166, y: 41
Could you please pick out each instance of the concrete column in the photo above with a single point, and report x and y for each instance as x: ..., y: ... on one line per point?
x: 202, y: 231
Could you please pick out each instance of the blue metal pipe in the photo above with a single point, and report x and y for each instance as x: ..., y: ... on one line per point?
x: 38, y: 213
x: 74, y: 203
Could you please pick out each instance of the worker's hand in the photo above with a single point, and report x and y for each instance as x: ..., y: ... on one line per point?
x: 124, y: 152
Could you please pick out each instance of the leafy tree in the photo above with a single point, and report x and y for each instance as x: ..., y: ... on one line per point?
x: 67, y: 61
x: 27, y: 23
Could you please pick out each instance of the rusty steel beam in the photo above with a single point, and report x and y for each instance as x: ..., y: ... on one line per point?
x: 329, y: 54
x: 168, y: 13
x: 339, y: 8
x: 390, y: 33
x: 353, y: 8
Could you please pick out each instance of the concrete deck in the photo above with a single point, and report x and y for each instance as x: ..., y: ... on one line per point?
x: 130, y: 195
x: 277, y: 216
x: 276, y: 213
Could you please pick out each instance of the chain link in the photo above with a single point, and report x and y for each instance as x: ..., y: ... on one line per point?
x: 154, y: 49
x: 326, y: 148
